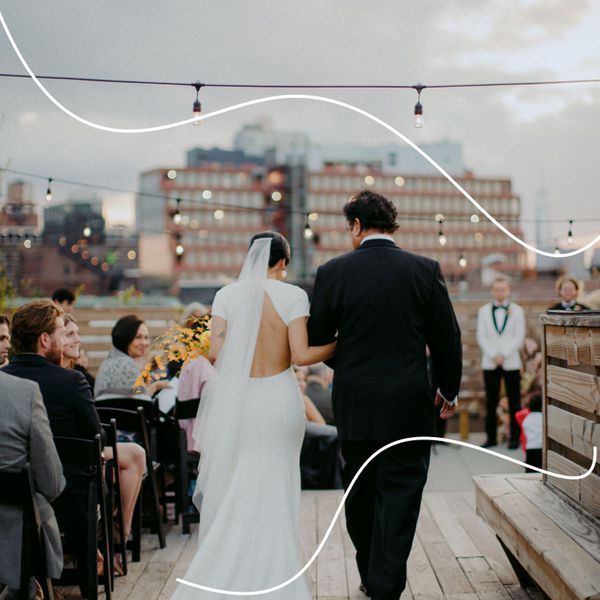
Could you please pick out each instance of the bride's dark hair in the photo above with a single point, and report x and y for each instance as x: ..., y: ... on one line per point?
x: 280, y: 247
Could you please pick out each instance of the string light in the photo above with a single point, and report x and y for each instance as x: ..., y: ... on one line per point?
x: 197, y: 106
x: 177, y: 213
x: 556, y: 247
x: 570, y: 234
x: 179, y: 249
x: 207, y: 195
x: 441, y: 237
x: 418, y: 106
x: 308, y: 232
x: 462, y: 261
x: 87, y: 230
x: 49, y: 190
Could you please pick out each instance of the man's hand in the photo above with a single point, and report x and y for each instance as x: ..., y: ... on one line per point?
x: 499, y: 360
x: 448, y: 410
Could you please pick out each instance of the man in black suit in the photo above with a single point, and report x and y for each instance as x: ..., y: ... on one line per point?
x: 385, y: 305
x: 38, y: 338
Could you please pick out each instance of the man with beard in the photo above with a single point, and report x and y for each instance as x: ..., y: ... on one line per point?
x: 37, y: 340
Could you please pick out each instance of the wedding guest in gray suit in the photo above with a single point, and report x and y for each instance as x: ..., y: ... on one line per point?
x: 25, y: 437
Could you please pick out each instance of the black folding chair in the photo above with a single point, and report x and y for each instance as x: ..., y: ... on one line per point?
x: 16, y: 489
x: 135, y: 422
x: 154, y: 421
x: 86, y: 455
x: 186, y: 465
x: 114, y: 502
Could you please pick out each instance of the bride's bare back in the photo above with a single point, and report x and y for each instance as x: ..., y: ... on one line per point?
x: 272, y: 354
x: 278, y: 343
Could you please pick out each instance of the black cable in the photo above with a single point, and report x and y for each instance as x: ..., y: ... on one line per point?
x: 301, y: 85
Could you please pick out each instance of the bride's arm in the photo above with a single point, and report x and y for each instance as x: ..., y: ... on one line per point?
x: 302, y: 353
x: 218, y: 329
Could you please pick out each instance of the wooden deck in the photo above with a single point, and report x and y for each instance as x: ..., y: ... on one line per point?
x: 455, y: 556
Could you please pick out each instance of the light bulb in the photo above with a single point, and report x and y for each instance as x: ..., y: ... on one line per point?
x: 308, y: 232
x: 179, y: 250
x: 442, y: 239
x: 197, y: 111
x: 87, y: 231
x: 418, y: 115
x: 177, y: 217
x: 49, y: 191
x: 462, y: 261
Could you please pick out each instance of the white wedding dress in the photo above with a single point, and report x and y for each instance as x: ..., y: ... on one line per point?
x: 249, y: 432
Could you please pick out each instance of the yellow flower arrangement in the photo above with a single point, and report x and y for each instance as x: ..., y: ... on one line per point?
x: 179, y: 344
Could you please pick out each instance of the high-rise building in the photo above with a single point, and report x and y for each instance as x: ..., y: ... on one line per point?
x: 195, y: 222
x: 435, y: 219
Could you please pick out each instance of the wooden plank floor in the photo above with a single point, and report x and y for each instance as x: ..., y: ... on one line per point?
x: 455, y: 556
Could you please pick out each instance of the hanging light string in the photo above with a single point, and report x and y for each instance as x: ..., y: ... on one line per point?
x: 312, y: 216
x: 304, y: 86
x: 197, y: 85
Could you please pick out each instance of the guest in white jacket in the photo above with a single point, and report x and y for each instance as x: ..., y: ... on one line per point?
x: 500, y: 335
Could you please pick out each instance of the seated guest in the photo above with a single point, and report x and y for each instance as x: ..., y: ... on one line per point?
x: 132, y: 457
x: 4, y: 340
x: 318, y: 389
x: 25, y: 437
x: 125, y: 361
x: 320, y: 457
x: 193, y: 312
x: 38, y: 332
x: 65, y: 299
x: 193, y: 377
x: 72, y: 349
x: 568, y: 289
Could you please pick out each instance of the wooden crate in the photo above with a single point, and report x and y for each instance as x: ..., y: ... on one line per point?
x: 572, y: 405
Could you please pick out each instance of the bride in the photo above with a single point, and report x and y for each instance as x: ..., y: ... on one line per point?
x: 249, y: 432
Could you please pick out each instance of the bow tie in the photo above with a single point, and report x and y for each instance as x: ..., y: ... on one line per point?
x: 497, y: 307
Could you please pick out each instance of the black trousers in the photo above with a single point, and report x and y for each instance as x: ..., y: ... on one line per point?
x: 512, y: 381
x: 382, y: 510
x: 533, y: 457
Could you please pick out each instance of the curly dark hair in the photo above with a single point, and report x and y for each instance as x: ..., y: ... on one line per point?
x: 373, y: 211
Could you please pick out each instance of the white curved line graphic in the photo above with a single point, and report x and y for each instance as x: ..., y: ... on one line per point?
x: 343, y: 500
x: 351, y: 107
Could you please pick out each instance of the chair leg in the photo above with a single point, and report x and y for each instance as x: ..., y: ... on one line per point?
x: 155, y: 501
x: 136, y: 530
x: 121, y: 546
x: 104, y: 543
x: 163, y: 496
x: 91, y: 555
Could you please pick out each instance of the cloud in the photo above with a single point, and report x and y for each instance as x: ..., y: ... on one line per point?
x: 535, y: 136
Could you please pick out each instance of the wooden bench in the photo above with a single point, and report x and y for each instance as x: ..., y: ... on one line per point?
x: 550, y: 527
x: 547, y: 542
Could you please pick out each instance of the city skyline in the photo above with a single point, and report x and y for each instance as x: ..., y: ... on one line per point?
x: 541, y: 138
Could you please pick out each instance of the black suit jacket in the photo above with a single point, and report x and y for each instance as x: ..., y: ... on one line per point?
x: 386, y: 305
x: 70, y: 406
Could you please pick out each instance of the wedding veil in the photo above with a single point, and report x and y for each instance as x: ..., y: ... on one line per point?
x: 216, y: 431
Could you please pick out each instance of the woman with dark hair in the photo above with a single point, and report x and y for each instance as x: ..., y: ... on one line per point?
x: 121, y: 368
x: 249, y: 431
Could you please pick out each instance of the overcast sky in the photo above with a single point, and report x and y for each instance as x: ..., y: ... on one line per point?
x: 545, y: 137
